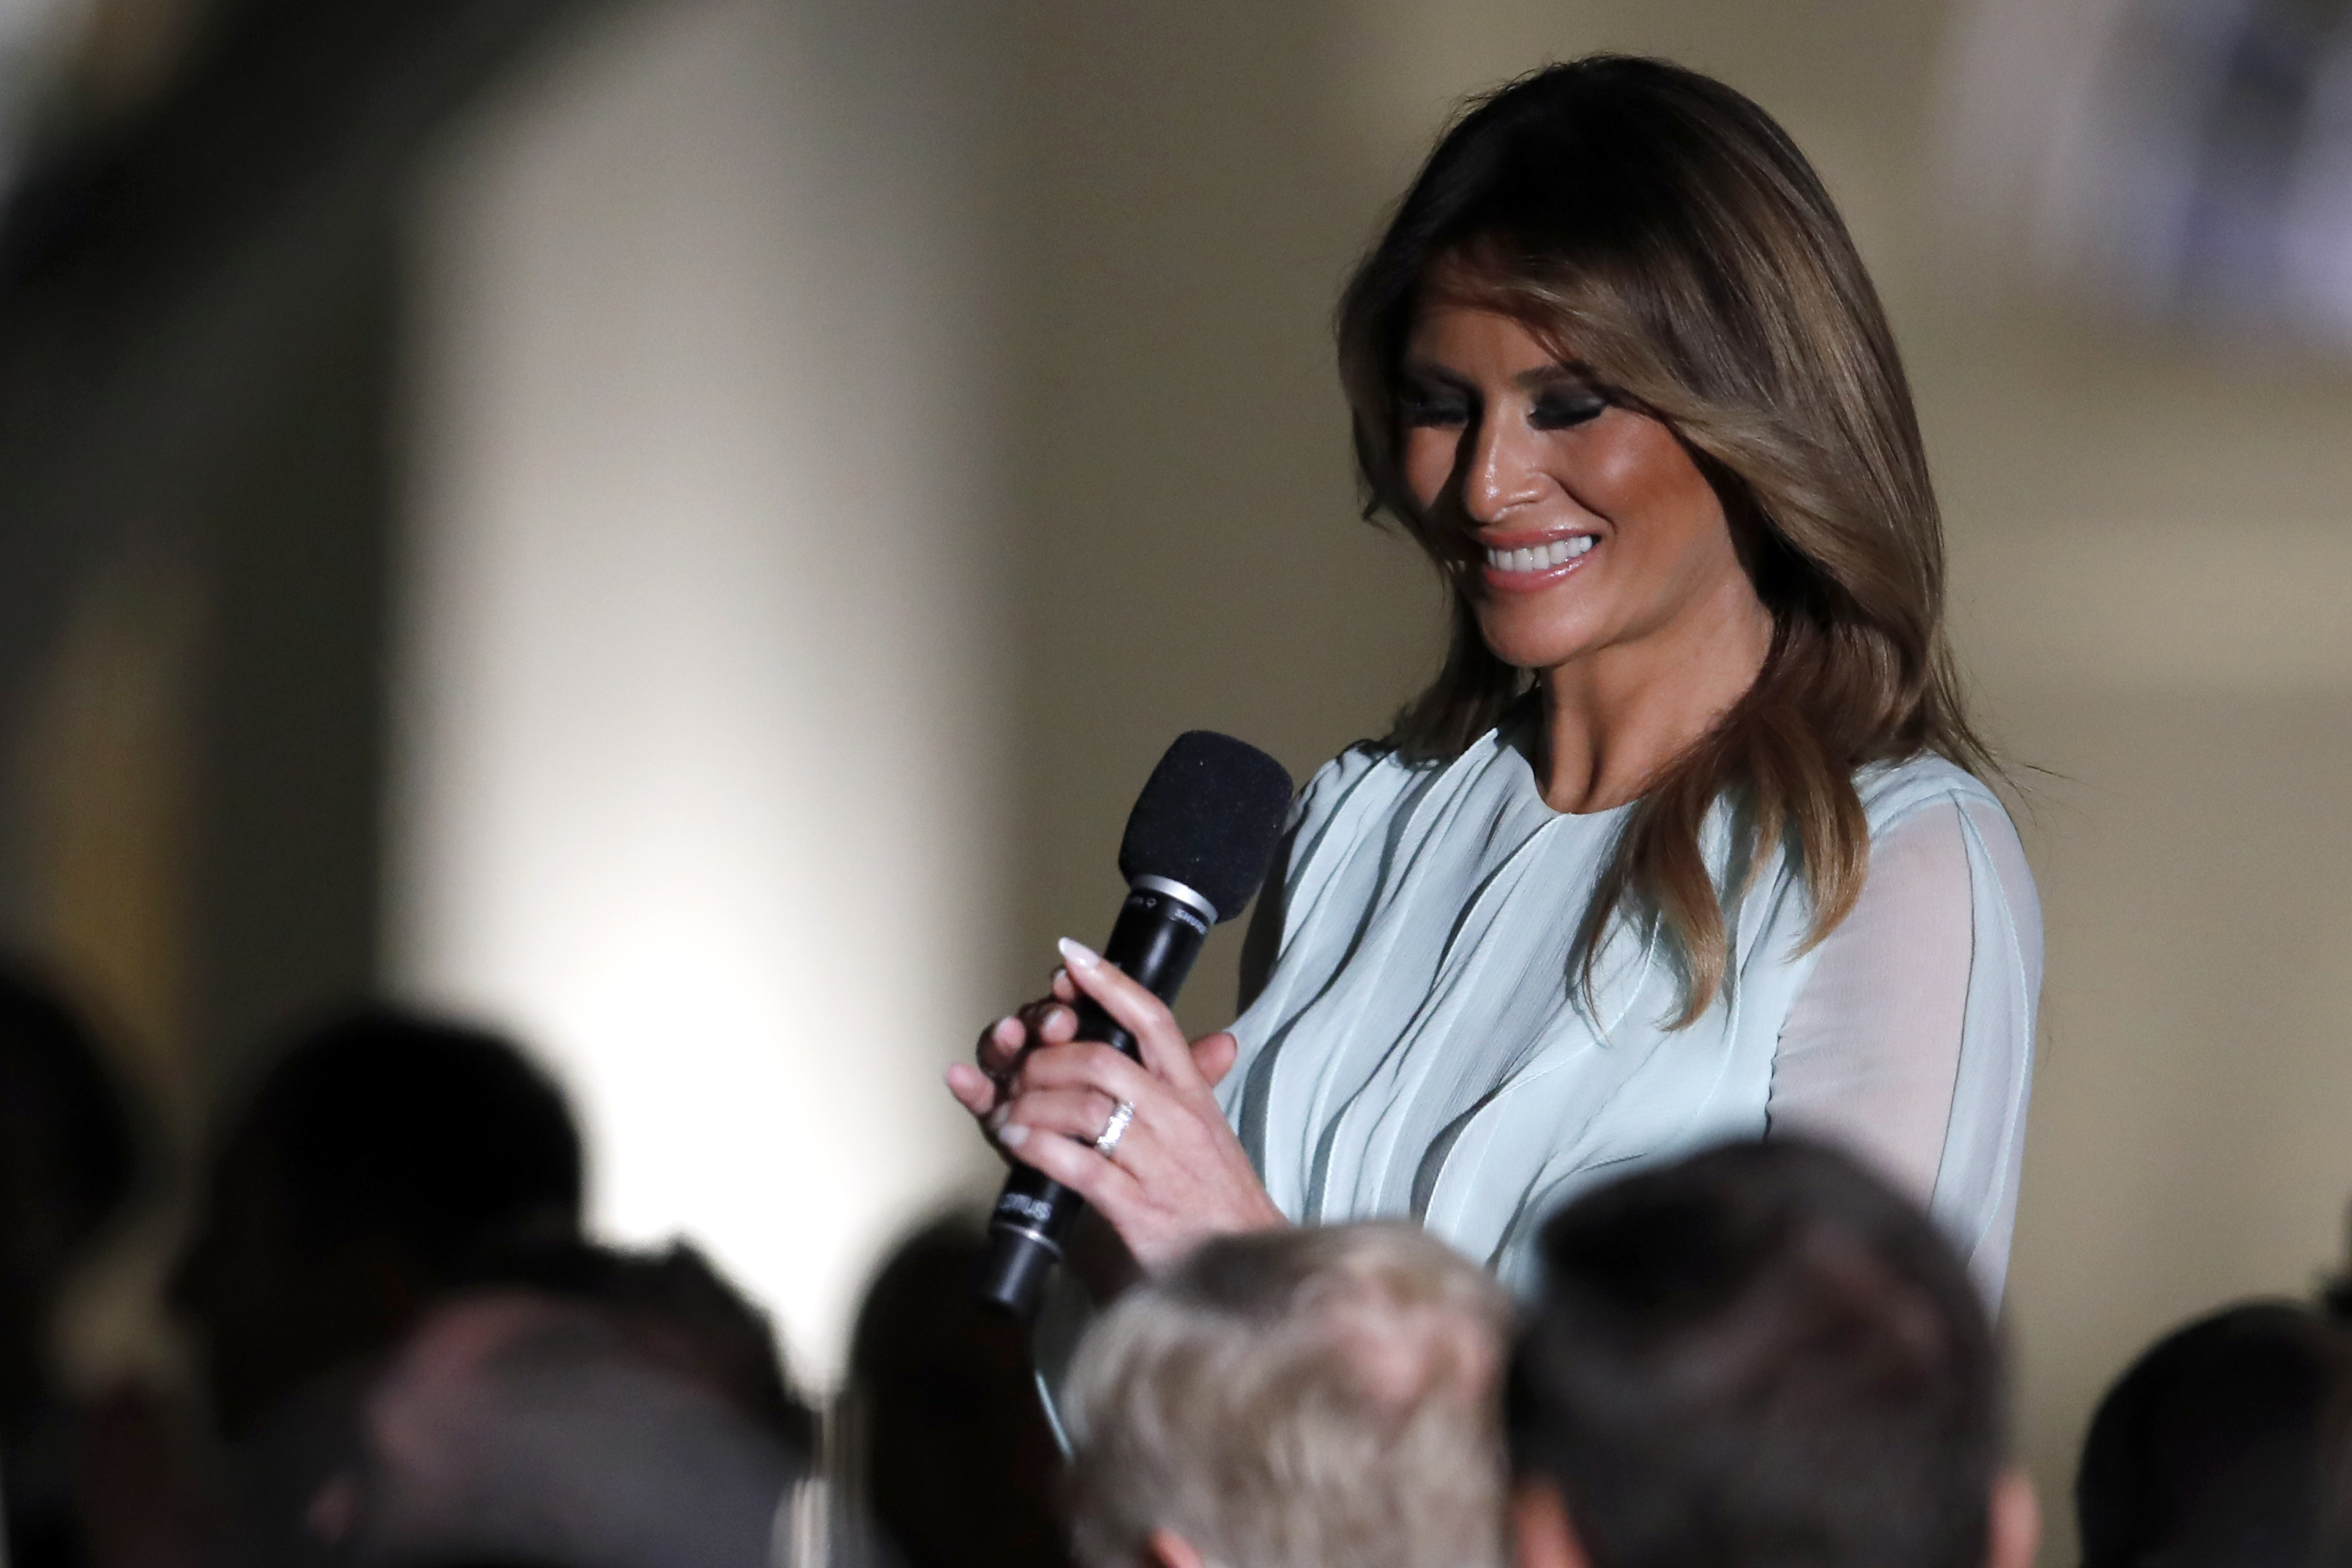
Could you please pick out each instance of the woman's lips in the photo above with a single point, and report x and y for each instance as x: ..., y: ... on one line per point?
x: 1521, y: 564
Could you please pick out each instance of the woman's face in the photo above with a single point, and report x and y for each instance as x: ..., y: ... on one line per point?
x: 1582, y: 526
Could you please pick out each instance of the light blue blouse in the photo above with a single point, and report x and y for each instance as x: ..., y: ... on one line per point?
x: 1420, y: 1046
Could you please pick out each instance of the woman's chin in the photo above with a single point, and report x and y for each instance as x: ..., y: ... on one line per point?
x: 1525, y: 647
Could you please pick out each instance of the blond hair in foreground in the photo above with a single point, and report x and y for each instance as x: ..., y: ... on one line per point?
x: 1308, y: 1398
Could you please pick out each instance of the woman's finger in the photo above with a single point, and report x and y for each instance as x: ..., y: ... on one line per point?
x: 1214, y: 1056
x: 1048, y: 1021
x: 1144, y: 1016
x: 1000, y: 1046
x: 1110, y: 1190
x: 1079, y: 1113
x: 1085, y: 1064
x: 974, y: 1089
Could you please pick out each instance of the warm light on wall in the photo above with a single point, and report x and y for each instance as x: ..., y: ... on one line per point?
x: 695, y: 783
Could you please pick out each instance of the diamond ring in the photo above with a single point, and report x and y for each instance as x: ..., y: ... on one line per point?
x: 1107, y: 1140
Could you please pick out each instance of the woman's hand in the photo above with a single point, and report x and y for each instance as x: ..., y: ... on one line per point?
x: 1177, y: 1175
x: 986, y: 1089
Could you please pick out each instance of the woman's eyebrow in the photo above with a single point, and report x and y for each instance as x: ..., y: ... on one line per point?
x: 1545, y: 375
x: 1426, y: 370
x: 1531, y: 380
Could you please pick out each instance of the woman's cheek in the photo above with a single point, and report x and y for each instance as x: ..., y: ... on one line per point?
x: 1428, y: 465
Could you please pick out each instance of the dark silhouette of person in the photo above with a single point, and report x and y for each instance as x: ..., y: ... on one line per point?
x: 573, y: 1404
x: 376, y: 1161
x: 1761, y: 1353
x: 678, y: 1310
x: 69, y: 1162
x: 2223, y: 1447
x: 959, y: 1468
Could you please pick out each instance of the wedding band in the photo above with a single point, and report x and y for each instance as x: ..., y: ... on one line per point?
x: 1107, y: 1140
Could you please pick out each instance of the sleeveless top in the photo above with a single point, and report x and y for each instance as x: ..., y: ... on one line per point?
x: 1423, y: 1046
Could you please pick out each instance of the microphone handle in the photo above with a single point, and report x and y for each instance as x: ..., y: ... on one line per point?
x: 1156, y: 937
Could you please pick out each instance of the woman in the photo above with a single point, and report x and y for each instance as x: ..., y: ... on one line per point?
x: 1687, y: 841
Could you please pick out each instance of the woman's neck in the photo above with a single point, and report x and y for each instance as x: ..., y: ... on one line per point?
x: 1614, y: 718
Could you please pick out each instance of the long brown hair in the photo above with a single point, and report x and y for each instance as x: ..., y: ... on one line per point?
x: 1664, y: 235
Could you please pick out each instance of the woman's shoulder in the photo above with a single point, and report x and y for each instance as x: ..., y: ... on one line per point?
x: 1893, y: 793
x: 1904, y: 801
x: 1366, y: 772
x: 1361, y: 794
x: 1937, y: 831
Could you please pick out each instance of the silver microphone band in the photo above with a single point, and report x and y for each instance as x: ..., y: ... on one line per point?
x: 1180, y: 892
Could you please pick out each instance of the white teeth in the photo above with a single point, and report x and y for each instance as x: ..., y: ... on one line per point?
x: 1542, y: 557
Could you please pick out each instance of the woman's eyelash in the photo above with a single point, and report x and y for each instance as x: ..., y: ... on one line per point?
x: 1560, y: 410
x: 1557, y: 410
x: 1434, y: 408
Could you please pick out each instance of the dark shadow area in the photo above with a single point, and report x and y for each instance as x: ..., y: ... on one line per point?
x: 69, y: 1162
x: 958, y: 1466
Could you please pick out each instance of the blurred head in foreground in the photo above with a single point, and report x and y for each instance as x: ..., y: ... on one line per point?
x: 378, y: 1157
x: 2222, y: 1446
x: 67, y: 1164
x: 600, y: 1410
x: 1759, y: 1355
x: 957, y: 1464
x: 1309, y: 1398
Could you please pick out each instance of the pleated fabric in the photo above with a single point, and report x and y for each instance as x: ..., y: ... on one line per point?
x: 1423, y: 1046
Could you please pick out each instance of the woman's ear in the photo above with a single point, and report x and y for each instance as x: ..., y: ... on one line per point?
x: 2013, y: 1532
x: 1541, y: 1536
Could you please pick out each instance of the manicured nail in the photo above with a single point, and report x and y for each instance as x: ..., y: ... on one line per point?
x: 1078, y: 954
x: 1012, y: 1135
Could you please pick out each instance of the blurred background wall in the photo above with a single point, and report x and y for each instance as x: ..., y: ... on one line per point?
x: 705, y: 581
x: 700, y: 775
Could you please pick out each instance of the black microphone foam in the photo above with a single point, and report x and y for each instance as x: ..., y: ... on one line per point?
x: 1208, y: 818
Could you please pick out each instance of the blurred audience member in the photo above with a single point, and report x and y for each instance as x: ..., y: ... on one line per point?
x: 956, y: 1465
x: 595, y: 1409
x: 376, y: 1161
x: 679, y: 1312
x: 1303, y: 1398
x: 1759, y: 1355
x: 2222, y: 1446
x: 67, y: 1162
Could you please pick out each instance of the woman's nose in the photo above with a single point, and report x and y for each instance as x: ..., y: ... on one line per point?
x: 1504, y: 471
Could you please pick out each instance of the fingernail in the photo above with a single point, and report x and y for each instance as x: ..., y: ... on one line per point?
x: 1012, y: 1135
x: 1078, y: 954
x: 999, y: 1027
x: 996, y: 1118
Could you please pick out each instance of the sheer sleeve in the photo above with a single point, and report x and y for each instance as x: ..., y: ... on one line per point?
x: 1911, y: 1043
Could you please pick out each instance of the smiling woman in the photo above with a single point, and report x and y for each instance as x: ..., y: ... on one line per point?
x: 1516, y: 457
x: 1688, y: 840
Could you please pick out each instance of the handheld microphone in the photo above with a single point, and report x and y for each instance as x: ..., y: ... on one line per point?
x: 1198, y: 844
